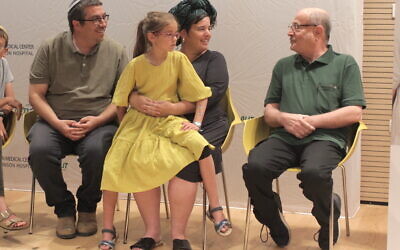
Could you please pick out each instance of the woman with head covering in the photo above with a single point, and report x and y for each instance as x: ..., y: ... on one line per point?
x: 196, y: 19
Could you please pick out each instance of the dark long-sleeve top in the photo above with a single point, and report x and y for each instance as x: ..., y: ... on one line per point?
x: 212, y: 69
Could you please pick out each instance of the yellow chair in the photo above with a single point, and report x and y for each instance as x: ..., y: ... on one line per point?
x: 9, y: 121
x: 29, y: 119
x: 233, y: 119
x: 256, y: 130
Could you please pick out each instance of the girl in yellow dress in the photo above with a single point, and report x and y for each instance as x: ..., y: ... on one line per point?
x: 149, y: 151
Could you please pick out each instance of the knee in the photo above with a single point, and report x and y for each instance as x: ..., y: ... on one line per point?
x: 254, y: 171
x: 40, y: 151
x: 314, y: 178
x: 96, y: 146
x: 96, y: 150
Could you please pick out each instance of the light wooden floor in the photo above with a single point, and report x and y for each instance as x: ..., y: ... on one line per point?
x: 368, y: 230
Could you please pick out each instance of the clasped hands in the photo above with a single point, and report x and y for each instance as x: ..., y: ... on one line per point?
x: 76, y: 130
x: 157, y: 108
x: 297, y: 124
x: 151, y: 107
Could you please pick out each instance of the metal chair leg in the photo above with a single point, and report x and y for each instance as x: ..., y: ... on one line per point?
x: 165, y: 201
x: 247, y: 225
x: 346, y: 206
x: 331, y: 219
x: 277, y: 186
x: 32, y: 209
x: 117, y: 201
x: 204, y: 219
x: 128, y: 208
x: 226, y: 193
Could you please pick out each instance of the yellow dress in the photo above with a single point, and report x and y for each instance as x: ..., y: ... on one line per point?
x: 148, y: 151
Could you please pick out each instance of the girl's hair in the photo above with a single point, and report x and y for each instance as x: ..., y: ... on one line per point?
x: 153, y: 22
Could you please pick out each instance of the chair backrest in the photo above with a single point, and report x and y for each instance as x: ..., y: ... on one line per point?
x: 352, y: 139
x: 29, y: 119
x: 255, y: 130
x: 10, y: 122
x: 233, y: 118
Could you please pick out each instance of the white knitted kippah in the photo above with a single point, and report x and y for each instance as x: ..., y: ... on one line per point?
x: 72, y: 5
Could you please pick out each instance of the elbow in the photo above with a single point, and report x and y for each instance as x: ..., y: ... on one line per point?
x: 30, y: 98
x: 357, y: 114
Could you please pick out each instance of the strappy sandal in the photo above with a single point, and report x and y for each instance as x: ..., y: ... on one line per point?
x: 11, y: 224
x: 109, y: 243
x: 181, y: 245
x: 219, y: 226
x: 146, y: 243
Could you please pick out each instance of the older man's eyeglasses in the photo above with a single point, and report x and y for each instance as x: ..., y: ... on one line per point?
x: 297, y: 27
x: 97, y: 20
x: 168, y: 34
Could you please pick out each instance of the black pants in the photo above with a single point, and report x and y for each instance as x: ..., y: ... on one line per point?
x: 46, y: 150
x: 269, y: 159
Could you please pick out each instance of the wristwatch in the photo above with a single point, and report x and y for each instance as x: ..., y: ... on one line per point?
x: 198, y: 124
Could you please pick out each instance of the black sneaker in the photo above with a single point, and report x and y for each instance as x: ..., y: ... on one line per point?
x: 278, y: 228
x: 323, y: 234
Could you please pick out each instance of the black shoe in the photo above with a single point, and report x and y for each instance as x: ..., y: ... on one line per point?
x: 278, y: 228
x: 146, y: 243
x: 181, y: 245
x: 323, y: 234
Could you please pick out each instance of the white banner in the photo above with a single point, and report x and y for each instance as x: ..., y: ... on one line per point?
x: 252, y: 35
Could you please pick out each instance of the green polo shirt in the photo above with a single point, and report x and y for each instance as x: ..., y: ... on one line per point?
x: 330, y: 82
x: 78, y: 85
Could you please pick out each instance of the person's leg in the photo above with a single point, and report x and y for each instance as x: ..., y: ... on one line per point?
x: 46, y: 149
x: 267, y: 161
x: 181, y: 195
x: 208, y: 175
x: 7, y: 218
x: 148, y: 203
x: 109, y: 201
x: 318, y: 160
x: 92, y: 151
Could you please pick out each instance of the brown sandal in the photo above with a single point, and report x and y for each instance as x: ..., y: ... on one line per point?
x: 11, y: 223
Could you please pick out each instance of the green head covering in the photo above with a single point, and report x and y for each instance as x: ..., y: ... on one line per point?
x: 189, y: 12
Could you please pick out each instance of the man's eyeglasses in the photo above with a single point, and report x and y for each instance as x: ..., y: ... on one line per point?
x: 97, y: 20
x: 296, y: 27
x: 169, y: 34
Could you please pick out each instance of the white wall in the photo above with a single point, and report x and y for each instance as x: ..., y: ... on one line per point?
x: 252, y: 35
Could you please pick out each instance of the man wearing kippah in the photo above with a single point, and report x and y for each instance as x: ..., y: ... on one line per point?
x: 72, y: 80
x: 313, y: 98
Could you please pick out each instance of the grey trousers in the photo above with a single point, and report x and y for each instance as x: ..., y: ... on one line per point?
x: 46, y: 150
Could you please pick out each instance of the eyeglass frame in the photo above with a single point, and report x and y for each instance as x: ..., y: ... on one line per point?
x: 169, y: 35
x: 97, y: 20
x: 295, y: 27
